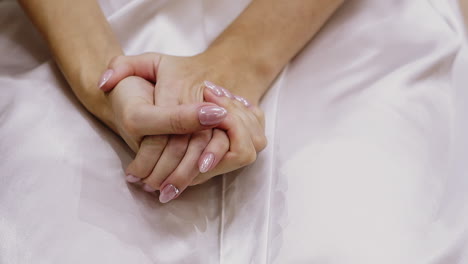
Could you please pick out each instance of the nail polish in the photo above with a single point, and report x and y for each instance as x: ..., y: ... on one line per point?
x: 105, y: 77
x: 213, y: 88
x: 211, y: 115
x: 226, y: 92
x: 148, y: 188
x: 132, y: 179
x: 242, y: 100
x: 168, y: 193
x: 205, y: 164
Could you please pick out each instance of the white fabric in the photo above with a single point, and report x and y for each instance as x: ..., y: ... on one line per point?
x: 365, y: 164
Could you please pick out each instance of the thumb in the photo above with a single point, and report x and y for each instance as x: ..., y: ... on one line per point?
x: 180, y: 119
x: 120, y: 67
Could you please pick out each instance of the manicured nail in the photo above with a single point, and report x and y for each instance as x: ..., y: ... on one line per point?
x: 148, y: 188
x: 226, y: 92
x: 168, y: 193
x: 205, y: 163
x: 213, y: 88
x: 242, y: 100
x: 211, y: 115
x: 132, y: 179
x: 105, y: 77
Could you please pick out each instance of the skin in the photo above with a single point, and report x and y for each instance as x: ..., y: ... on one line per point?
x: 245, y: 58
x: 178, y: 82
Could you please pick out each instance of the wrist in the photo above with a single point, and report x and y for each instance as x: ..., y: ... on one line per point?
x: 101, y: 108
x: 239, y: 70
x: 96, y: 102
x: 84, y: 84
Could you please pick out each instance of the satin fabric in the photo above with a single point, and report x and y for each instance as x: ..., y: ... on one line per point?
x: 366, y: 159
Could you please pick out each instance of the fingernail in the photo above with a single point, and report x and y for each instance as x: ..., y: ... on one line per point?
x: 206, y: 162
x: 168, y: 193
x: 132, y: 179
x: 213, y: 88
x: 105, y: 77
x: 148, y: 188
x: 242, y: 100
x: 211, y: 115
x: 226, y: 92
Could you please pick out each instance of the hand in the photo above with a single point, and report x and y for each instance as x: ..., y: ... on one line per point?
x: 234, y: 145
x: 182, y: 77
x: 178, y: 81
x: 244, y: 126
x: 135, y: 115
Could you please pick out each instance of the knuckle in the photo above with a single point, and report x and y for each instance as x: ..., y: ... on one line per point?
x: 154, y: 180
x: 201, y: 139
x: 260, y: 143
x: 236, y: 103
x: 259, y: 114
x: 156, y: 140
x: 199, y: 144
x: 154, y: 145
x: 251, y: 157
x: 224, y: 144
x: 138, y: 169
x: 179, y: 179
x: 116, y: 61
x: 178, y: 148
x: 246, y: 157
x: 176, y: 124
x: 129, y: 121
x: 227, y: 103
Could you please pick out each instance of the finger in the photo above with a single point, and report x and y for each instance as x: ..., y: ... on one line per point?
x: 241, y: 150
x: 147, y: 156
x: 241, y: 153
x: 167, y: 163
x: 251, y: 116
x: 255, y: 121
x: 220, y: 91
x: 259, y: 114
x: 242, y: 100
x: 180, y: 119
x: 236, y: 124
x: 144, y: 66
x: 187, y: 169
x: 252, y: 122
x: 214, y: 152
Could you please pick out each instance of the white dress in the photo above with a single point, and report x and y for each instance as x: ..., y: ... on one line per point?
x: 367, y: 148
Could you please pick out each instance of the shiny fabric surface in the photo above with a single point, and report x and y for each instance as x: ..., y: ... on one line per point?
x: 366, y: 161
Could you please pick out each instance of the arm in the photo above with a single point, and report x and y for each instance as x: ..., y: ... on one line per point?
x: 250, y: 53
x: 266, y: 36
x: 82, y: 43
x: 245, y: 59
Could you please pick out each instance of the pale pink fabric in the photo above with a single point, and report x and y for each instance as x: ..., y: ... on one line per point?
x: 366, y: 159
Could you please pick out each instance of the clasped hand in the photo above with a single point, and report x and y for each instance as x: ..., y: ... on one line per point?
x: 184, y: 129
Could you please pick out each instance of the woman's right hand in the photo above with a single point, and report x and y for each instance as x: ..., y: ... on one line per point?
x: 134, y: 114
x: 245, y: 129
x: 234, y: 145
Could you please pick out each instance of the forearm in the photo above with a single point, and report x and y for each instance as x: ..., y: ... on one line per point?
x: 269, y: 33
x: 82, y: 43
